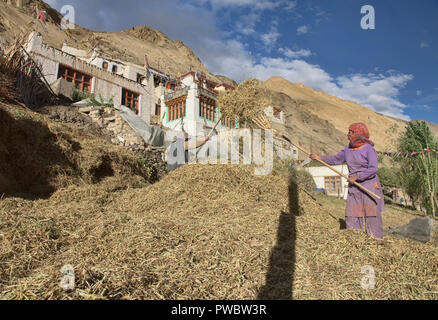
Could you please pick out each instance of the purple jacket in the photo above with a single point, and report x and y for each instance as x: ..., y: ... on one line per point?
x: 361, y: 162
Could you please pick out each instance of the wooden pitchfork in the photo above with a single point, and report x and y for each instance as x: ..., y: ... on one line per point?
x: 265, y: 124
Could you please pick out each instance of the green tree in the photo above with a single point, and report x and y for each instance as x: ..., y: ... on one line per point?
x: 389, y: 177
x: 419, y: 175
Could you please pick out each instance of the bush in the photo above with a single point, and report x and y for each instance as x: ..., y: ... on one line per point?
x: 389, y: 177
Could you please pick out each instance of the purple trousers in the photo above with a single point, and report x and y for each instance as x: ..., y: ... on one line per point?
x: 373, y: 225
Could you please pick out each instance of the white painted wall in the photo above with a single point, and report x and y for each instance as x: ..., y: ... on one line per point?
x: 318, y: 174
x: 105, y: 83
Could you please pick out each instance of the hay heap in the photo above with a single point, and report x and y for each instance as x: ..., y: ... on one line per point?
x: 245, y: 102
x: 201, y: 232
x: 38, y: 156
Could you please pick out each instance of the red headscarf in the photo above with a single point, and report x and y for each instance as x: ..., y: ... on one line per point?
x: 360, y: 135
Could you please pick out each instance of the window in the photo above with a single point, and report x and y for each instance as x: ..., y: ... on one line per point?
x: 158, y: 109
x: 176, y: 108
x: 140, y: 78
x: 105, y: 65
x: 227, y: 122
x: 80, y: 80
x: 114, y: 69
x: 333, y: 185
x: 207, y: 108
x: 130, y: 99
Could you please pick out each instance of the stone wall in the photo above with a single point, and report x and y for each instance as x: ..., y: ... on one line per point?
x: 104, y: 83
x: 111, y: 120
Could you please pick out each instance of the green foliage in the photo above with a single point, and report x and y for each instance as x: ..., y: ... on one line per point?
x: 79, y: 95
x: 419, y: 175
x: 389, y: 176
x: 101, y: 103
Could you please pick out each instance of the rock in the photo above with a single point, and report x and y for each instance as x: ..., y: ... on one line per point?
x: 436, y: 236
x: 418, y: 229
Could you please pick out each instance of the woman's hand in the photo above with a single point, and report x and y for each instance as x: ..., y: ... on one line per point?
x: 314, y: 156
x: 352, y: 179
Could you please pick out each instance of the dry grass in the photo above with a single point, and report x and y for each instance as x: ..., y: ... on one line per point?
x: 202, y: 232
x: 38, y: 156
x: 245, y: 102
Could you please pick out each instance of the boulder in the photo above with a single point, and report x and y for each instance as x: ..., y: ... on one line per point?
x: 436, y: 236
x: 418, y: 229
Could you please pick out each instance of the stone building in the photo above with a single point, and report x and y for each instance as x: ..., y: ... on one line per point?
x: 114, y: 79
x: 327, y: 179
x: 191, y: 106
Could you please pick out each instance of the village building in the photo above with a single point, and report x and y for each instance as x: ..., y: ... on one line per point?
x: 184, y: 104
x: 191, y: 106
x: 333, y: 184
x: 98, y: 75
x: 275, y: 114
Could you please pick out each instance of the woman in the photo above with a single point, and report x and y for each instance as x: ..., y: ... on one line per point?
x: 361, y: 159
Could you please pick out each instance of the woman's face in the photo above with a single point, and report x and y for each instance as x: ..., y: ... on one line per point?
x: 350, y: 134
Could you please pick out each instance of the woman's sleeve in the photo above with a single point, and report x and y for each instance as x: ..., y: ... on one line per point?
x: 371, y: 170
x: 333, y: 160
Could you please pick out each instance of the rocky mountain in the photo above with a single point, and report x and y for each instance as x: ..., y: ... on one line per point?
x: 339, y: 113
x: 314, y: 119
x: 163, y: 53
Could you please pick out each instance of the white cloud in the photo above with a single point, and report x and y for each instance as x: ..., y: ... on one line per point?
x: 246, y: 24
x: 295, y: 54
x: 379, y: 92
x: 232, y: 58
x: 419, y: 92
x: 424, y: 44
x: 269, y: 39
x: 290, y: 5
x: 426, y: 107
x: 302, y: 30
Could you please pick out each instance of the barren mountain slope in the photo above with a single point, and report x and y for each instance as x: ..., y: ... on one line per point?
x: 340, y: 113
x: 307, y: 129
x: 131, y: 45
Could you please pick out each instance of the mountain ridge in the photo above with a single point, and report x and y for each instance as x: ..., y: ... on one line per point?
x: 173, y: 57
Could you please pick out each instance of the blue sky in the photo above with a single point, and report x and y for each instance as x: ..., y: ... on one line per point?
x: 392, y: 69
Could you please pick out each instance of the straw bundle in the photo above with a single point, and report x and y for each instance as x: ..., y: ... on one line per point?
x: 25, y: 75
x: 245, y: 102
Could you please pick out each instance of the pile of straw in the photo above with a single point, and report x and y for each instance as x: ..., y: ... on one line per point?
x: 201, y: 232
x: 38, y: 156
x: 245, y: 102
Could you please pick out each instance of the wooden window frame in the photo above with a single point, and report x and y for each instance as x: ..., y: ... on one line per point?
x: 227, y: 122
x: 79, y: 79
x: 207, y: 109
x: 176, y: 108
x: 335, y: 182
x: 131, y: 100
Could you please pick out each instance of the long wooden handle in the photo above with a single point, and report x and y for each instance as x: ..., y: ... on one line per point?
x: 330, y: 167
x: 211, y: 131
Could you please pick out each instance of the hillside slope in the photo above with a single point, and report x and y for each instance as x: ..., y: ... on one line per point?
x: 315, y: 119
x: 163, y: 53
x: 340, y: 113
